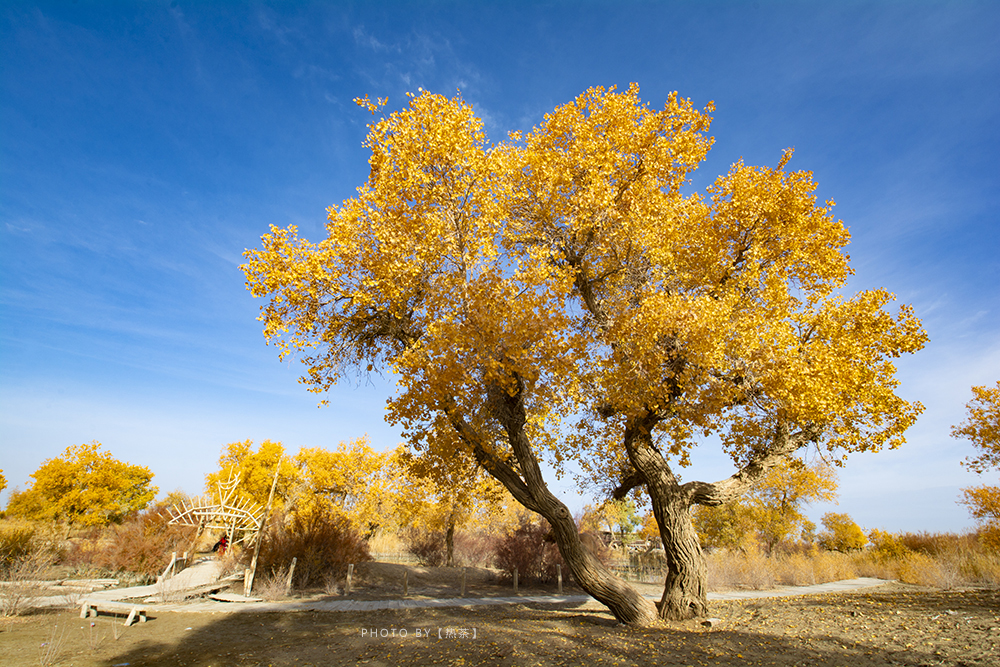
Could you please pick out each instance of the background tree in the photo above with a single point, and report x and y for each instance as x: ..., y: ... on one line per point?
x: 514, y: 287
x: 85, y: 487
x: 446, y: 494
x: 256, y: 470
x: 982, y: 427
x: 353, y: 481
x: 619, y: 517
x: 841, y: 533
x: 731, y: 526
x: 649, y: 530
x: 772, y: 512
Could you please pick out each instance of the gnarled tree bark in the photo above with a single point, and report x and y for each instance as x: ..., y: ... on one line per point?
x: 685, y: 593
x: 528, y: 487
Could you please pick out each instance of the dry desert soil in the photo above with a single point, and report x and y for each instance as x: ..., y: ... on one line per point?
x: 894, y: 624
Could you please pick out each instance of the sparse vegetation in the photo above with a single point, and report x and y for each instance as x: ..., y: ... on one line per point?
x: 323, y: 545
x: 938, y: 560
x: 141, y: 546
x: 531, y: 551
x: 25, y: 556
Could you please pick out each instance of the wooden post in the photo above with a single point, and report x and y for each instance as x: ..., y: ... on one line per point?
x: 559, y: 577
x: 515, y: 581
x: 405, y: 583
x: 248, y: 584
x: 350, y: 574
x: 194, y: 542
x: 464, y: 571
x: 291, y: 573
x: 173, y: 563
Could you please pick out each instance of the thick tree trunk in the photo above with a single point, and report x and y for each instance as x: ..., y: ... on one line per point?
x: 685, y: 592
x: 625, y: 602
x: 449, y: 541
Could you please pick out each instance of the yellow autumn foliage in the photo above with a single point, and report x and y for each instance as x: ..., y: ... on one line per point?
x: 84, y: 486
x: 255, y: 469
x: 982, y: 427
x: 562, y: 294
x: 569, y: 264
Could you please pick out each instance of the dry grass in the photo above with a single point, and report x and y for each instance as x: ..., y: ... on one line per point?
x: 48, y: 652
x: 17, y: 540
x: 93, y: 637
x: 945, y: 570
x: 273, y: 585
x: 728, y: 570
x: 939, y: 560
x: 19, y: 581
x: 385, y: 542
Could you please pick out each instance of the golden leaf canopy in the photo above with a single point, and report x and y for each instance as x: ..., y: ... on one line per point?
x: 570, y: 265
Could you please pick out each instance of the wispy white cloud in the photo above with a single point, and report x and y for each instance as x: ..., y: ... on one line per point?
x: 365, y: 39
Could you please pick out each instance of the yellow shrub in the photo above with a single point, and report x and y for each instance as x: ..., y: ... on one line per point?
x: 16, y: 539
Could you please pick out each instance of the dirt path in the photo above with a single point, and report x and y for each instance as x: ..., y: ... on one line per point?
x: 893, y: 624
x: 235, y: 602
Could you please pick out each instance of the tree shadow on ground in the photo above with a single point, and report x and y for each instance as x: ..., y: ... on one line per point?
x: 498, y: 635
x: 379, y: 581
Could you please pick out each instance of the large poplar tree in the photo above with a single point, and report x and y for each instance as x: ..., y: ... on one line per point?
x: 85, y: 487
x: 565, y: 273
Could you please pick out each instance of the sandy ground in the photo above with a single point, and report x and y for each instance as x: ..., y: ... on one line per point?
x: 894, y: 624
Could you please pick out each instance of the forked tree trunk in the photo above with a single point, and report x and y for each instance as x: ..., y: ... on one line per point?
x: 685, y: 592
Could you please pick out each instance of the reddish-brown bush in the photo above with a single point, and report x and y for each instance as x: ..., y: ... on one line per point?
x: 141, y: 545
x: 322, y: 543
x: 529, y: 550
x: 427, y: 545
x: 475, y: 549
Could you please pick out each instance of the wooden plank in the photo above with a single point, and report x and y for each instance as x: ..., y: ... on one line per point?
x: 233, y: 597
x: 184, y: 593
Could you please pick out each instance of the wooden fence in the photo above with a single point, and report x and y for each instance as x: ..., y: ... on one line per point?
x: 399, y: 557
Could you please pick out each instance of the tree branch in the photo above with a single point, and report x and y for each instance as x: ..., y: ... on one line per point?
x: 783, y: 445
x: 629, y: 482
x: 493, y: 464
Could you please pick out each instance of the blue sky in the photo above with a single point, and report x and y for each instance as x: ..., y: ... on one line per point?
x: 145, y: 145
